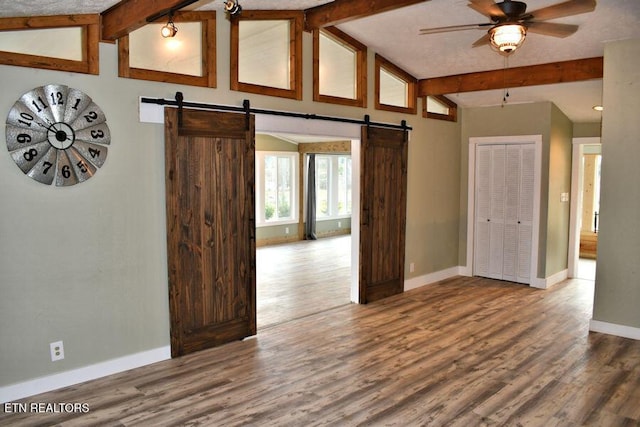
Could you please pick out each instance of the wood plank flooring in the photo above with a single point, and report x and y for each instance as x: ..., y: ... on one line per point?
x: 462, y: 352
x: 297, y: 279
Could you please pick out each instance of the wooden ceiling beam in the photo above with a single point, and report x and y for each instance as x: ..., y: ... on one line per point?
x: 129, y: 15
x: 533, y: 75
x: 339, y: 11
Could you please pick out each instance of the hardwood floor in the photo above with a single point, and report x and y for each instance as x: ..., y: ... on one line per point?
x: 462, y: 352
x: 297, y: 279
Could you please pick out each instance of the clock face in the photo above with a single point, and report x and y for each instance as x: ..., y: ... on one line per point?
x: 57, y: 134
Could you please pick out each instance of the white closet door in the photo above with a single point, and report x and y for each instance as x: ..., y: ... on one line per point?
x: 511, y: 207
x: 496, y: 238
x: 482, y: 210
x: 504, y: 211
x: 525, y: 213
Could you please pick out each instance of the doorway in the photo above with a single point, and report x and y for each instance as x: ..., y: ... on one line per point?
x: 585, y: 196
x: 267, y: 266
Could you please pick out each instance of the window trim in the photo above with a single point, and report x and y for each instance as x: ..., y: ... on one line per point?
x: 361, y: 68
x: 453, y: 109
x: 412, y: 83
x: 208, y: 78
x: 90, y: 25
x: 296, y: 19
x: 260, y: 188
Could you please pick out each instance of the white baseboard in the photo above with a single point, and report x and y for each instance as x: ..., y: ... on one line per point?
x: 87, y: 373
x: 430, y: 278
x: 551, y: 280
x: 613, y: 329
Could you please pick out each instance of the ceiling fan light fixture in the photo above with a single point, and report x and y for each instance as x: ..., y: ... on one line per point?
x: 507, y: 37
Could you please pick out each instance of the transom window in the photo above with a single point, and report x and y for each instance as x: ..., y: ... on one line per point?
x: 439, y: 107
x: 188, y: 58
x: 339, y: 68
x: 395, y: 88
x: 266, y: 53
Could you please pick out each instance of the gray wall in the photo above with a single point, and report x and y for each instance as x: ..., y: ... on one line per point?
x: 617, y: 296
x: 528, y: 119
x: 557, y: 233
x: 87, y: 264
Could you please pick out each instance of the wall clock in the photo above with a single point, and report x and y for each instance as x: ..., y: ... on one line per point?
x: 57, y: 134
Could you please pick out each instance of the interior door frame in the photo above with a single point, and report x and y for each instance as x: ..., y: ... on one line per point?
x: 471, y: 199
x: 266, y: 123
x: 577, y: 173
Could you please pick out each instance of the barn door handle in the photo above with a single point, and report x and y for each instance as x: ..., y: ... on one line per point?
x: 365, y: 217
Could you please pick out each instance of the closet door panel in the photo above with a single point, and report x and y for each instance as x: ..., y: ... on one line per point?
x: 511, y: 205
x: 525, y: 213
x: 482, y: 211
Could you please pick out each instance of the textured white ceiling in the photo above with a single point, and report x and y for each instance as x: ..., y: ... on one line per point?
x: 395, y: 35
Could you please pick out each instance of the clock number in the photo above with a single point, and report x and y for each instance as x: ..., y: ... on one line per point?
x: 66, y: 172
x: 91, y: 116
x: 95, y: 134
x: 94, y: 153
x: 44, y: 106
x: 75, y: 106
x: 30, y: 155
x: 56, y: 98
x: 83, y: 166
x: 28, y: 118
x: 23, y: 137
x: 47, y: 166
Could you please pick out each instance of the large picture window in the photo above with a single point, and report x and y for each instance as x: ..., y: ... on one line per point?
x: 333, y: 186
x: 276, y: 189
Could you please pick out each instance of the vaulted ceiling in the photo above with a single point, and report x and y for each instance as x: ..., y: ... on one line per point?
x: 391, y: 28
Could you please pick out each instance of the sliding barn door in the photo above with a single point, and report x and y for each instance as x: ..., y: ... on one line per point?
x: 210, y: 228
x: 383, y: 201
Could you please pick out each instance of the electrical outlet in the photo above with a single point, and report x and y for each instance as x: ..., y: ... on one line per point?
x: 286, y: 230
x: 339, y: 224
x: 57, y: 351
x: 412, y: 268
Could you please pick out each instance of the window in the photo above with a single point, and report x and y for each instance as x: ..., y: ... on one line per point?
x: 188, y: 58
x: 333, y: 186
x: 276, y: 196
x: 439, y: 107
x: 62, y: 43
x: 339, y: 68
x: 395, y: 88
x: 266, y: 53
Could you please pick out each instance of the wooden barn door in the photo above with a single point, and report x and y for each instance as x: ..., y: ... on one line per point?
x: 210, y: 228
x: 383, y: 201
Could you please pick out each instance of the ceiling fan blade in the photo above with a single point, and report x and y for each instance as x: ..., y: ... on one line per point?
x: 486, y: 7
x: 453, y: 28
x: 567, y: 8
x: 551, y: 29
x: 486, y: 39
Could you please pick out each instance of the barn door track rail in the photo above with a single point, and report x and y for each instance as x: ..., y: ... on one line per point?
x: 246, y: 108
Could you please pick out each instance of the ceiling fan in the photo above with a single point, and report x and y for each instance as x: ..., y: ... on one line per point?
x: 510, y: 22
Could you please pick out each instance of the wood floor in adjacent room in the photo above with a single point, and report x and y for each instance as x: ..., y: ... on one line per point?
x: 294, y: 280
x: 462, y: 352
